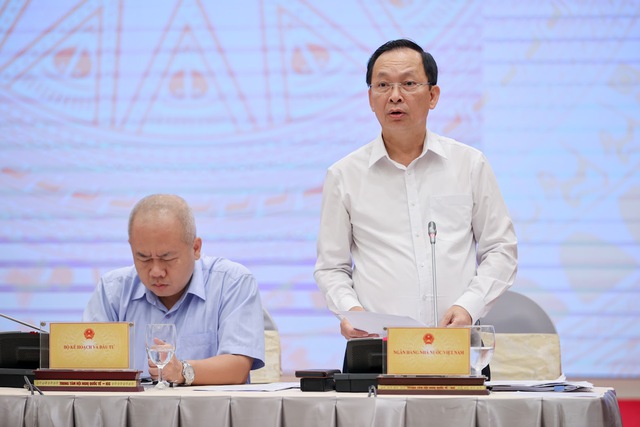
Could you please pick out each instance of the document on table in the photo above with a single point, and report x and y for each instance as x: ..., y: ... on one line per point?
x: 559, y: 385
x: 375, y: 323
x: 251, y: 387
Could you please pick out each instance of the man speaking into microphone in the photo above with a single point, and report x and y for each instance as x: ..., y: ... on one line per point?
x: 374, y: 250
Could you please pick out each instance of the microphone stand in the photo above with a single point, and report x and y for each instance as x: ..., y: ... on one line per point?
x: 22, y: 323
x: 432, y: 239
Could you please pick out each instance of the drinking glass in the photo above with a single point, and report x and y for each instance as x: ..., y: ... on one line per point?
x: 160, y: 341
x: 483, y: 343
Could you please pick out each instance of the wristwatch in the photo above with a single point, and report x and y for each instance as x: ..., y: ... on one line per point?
x: 188, y: 373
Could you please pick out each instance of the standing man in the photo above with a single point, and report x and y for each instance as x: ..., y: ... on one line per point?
x: 373, y: 246
x: 214, y: 303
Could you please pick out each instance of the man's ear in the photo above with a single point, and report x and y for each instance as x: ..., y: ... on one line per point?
x: 197, y: 247
x: 371, y: 101
x: 435, y: 96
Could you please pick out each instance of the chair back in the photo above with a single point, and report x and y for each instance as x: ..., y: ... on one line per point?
x: 527, y: 343
x: 272, y: 369
x: 514, y: 312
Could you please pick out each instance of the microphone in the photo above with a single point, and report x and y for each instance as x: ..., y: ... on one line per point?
x: 19, y: 354
x: 21, y: 322
x: 431, y: 228
x: 432, y: 232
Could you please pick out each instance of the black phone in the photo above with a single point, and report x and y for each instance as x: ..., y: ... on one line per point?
x: 316, y: 373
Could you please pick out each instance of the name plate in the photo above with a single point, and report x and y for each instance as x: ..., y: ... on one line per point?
x: 89, y: 345
x: 428, y: 351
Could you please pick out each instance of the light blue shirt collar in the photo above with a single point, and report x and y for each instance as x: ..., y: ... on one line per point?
x: 194, y: 287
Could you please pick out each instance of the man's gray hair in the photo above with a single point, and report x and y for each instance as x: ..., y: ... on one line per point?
x: 156, y: 204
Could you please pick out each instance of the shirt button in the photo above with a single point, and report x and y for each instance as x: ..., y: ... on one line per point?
x: 424, y: 297
x: 422, y: 265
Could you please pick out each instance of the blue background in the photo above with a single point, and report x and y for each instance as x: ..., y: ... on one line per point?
x: 240, y: 107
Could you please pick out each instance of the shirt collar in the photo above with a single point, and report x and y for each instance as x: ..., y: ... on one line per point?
x: 195, y: 287
x: 431, y: 143
x: 378, y: 150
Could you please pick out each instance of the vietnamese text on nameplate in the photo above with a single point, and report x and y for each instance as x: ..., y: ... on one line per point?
x: 428, y: 351
x: 89, y: 345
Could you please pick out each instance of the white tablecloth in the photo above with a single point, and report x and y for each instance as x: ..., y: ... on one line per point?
x: 188, y: 407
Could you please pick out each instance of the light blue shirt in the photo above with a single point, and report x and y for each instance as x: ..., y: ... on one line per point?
x: 220, y: 313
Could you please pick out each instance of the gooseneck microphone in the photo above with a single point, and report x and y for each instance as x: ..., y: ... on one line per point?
x: 21, y: 322
x: 432, y: 232
x: 431, y: 228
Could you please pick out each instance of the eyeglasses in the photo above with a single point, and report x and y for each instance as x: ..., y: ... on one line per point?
x: 406, y: 87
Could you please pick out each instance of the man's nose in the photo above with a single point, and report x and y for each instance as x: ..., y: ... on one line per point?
x: 157, y: 269
x: 396, y: 93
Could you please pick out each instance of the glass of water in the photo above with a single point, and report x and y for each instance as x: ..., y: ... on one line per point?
x: 483, y: 343
x: 160, y: 341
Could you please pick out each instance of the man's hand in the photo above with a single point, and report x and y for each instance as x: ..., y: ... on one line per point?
x: 172, y: 372
x: 220, y: 369
x: 456, y: 316
x: 349, y: 331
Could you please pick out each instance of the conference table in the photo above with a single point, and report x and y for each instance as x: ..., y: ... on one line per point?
x: 189, y: 406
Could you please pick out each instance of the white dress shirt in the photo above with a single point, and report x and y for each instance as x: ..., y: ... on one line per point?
x: 373, y: 245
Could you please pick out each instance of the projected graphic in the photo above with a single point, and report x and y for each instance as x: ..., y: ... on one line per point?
x: 241, y: 108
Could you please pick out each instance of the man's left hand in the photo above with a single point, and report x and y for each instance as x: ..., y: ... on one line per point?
x: 172, y: 372
x: 456, y: 316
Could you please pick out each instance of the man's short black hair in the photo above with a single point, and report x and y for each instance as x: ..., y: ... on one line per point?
x: 429, y: 64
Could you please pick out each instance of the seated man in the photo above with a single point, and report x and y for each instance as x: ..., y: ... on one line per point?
x: 213, y: 302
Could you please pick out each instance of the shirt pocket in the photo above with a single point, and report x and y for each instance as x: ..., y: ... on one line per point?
x: 197, y: 346
x: 452, y: 215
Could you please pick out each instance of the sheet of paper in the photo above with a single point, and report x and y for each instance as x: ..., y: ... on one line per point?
x: 251, y: 387
x: 544, y: 394
x: 541, y: 386
x: 375, y: 323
